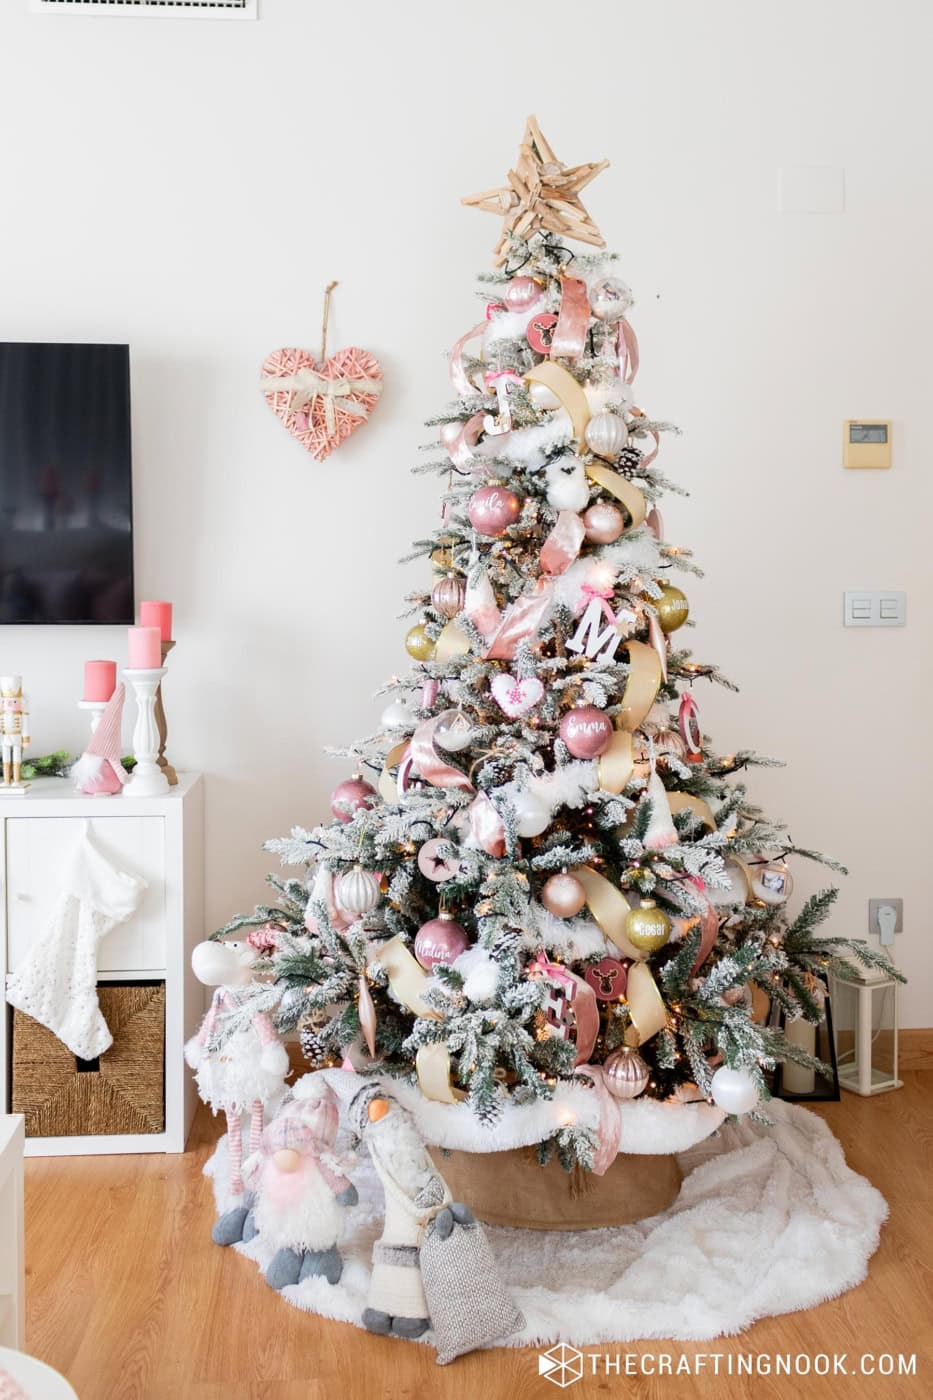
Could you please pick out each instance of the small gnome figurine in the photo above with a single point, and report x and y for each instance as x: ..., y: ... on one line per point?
x: 245, y: 1072
x: 414, y: 1193
x: 301, y: 1188
x: 99, y: 772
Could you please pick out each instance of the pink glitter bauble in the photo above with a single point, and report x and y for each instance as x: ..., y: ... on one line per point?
x: 586, y: 731
x: 349, y: 796
x: 563, y: 895
x: 493, y: 509
x: 440, y: 940
x: 521, y: 293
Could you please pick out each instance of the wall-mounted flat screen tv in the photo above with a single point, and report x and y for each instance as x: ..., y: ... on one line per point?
x: 66, y: 507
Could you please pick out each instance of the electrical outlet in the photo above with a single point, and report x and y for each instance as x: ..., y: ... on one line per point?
x: 874, y: 905
x: 866, y: 608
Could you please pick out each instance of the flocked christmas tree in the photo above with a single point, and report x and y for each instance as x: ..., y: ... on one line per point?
x: 552, y: 867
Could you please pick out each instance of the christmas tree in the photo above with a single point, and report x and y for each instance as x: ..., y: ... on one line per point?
x: 552, y: 867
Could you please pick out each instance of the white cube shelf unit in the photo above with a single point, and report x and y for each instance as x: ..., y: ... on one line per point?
x: 157, y: 838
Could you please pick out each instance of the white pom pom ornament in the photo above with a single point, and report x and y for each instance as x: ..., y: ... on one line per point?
x: 734, y: 1090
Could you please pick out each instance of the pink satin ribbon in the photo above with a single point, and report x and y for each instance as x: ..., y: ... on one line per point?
x: 603, y: 594
x: 522, y: 620
x: 709, y: 923
x: 563, y: 544
x: 480, y: 605
x: 609, y: 1125
x: 485, y: 825
x: 658, y: 639
x: 460, y: 451
x: 458, y: 375
x: 628, y: 351
x: 569, y: 339
x: 428, y: 694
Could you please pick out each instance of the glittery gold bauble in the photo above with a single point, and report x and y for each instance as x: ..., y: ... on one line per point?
x: 627, y: 1074
x: 418, y: 644
x: 672, y: 608
x: 647, y: 927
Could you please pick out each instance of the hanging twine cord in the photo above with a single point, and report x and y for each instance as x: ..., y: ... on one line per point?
x: 327, y: 294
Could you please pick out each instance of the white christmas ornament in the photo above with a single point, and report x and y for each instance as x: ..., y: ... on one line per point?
x: 533, y: 813
x: 357, y: 891
x: 606, y: 434
x: 734, y: 1090
x: 455, y: 734
x: 567, y: 486
x: 516, y: 697
x: 397, y: 716
x: 542, y: 397
x: 661, y: 830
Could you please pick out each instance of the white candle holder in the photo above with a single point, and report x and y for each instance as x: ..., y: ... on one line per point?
x: 96, y: 709
x: 147, y: 778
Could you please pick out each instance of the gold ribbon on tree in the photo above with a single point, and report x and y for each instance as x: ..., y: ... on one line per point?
x: 306, y: 386
x: 572, y: 398
x: 433, y: 1065
x: 641, y: 687
x: 630, y: 497
x: 407, y: 978
x: 685, y: 802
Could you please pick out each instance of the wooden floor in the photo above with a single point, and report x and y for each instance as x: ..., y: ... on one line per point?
x: 128, y: 1297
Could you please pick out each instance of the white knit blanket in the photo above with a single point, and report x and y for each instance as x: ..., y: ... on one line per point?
x: 768, y: 1221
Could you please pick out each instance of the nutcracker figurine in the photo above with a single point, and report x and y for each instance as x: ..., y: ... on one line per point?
x: 14, y: 729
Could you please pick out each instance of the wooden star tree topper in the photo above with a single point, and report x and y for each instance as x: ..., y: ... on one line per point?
x: 541, y: 194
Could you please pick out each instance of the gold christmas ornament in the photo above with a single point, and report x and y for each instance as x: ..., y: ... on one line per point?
x: 627, y: 1074
x: 418, y: 644
x: 540, y: 194
x: 672, y: 608
x: 647, y: 928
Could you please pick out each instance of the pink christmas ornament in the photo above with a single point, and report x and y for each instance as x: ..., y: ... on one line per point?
x: 688, y: 722
x: 604, y: 523
x: 563, y: 895
x: 493, y: 509
x: 608, y: 979
x: 540, y: 332
x: 447, y: 595
x: 521, y: 293
x: 515, y: 697
x: 434, y: 864
x: 440, y: 940
x: 264, y: 939
x: 586, y: 731
x: 349, y: 796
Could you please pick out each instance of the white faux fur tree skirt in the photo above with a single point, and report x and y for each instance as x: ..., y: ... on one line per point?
x: 768, y: 1221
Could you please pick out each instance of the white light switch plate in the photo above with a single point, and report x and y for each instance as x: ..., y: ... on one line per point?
x: 875, y: 608
x: 812, y: 189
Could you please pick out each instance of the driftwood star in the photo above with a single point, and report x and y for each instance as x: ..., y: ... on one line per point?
x: 540, y: 194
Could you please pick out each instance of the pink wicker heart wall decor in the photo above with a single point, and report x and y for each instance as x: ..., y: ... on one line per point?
x: 321, y: 404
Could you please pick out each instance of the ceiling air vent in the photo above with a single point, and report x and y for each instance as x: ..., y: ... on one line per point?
x: 164, y: 9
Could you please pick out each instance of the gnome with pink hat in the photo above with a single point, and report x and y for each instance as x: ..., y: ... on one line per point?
x: 301, y: 1188
x: 99, y: 771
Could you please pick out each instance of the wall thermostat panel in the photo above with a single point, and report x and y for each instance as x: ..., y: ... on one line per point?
x: 866, y: 442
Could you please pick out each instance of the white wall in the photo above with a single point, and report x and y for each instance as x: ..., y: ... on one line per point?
x: 190, y: 187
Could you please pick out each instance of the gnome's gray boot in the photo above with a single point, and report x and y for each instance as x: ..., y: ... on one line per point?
x: 410, y: 1326
x: 229, y: 1228
x: 284, y: 1269
x: 250, y: 1230
x: 322, y: 1263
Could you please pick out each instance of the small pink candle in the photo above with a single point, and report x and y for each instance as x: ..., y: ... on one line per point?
x: 144, y: 648
x: 157, y: 615
x: 100, y: 679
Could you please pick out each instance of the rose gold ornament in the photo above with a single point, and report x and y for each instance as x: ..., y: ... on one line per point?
x: 608, y: 979
x: 349, y: 796
x: 604, y: 523
x: 493, y: 509
x: 521, y: 293
x: 627, y: 1074
x: 440, y: 940
x: 447, y: 595
x: 563, y: 895
x: 688, y: 722
x: 586, y: 731
x: 540, y: 332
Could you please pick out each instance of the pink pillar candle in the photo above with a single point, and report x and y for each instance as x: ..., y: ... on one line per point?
x: 144, y: 647
x: 100, y: 679
x: 157, y: 615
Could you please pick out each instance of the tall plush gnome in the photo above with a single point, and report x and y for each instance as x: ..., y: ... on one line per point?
x: 238, y: 1073
x: 301, y: 1187
x: 414, y: 1193
x: 99, y: 771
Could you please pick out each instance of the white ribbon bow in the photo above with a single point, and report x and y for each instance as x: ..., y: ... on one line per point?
x: 306, y: 385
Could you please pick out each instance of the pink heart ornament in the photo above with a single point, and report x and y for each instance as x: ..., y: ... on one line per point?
x: 515, y: 697
x: 322, y: 404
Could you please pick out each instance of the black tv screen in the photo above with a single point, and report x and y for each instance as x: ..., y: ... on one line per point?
x: 66, y: 517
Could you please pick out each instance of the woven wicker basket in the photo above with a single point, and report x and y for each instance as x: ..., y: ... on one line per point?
x: 122, y: 1092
